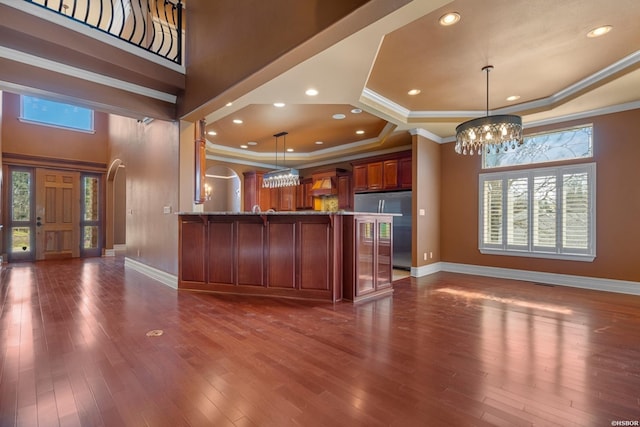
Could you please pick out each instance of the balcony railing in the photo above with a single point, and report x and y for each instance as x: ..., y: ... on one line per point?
x: 153, y: 25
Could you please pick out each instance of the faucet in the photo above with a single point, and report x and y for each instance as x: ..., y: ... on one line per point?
x: 255, y: 209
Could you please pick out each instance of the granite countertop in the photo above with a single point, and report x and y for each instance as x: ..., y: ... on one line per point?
x: 288, y: 213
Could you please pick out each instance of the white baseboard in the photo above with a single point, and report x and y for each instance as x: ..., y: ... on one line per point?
x: 159, y: 275
x: 116, y: 248
x: 425, y: 270
x: 584, y: 282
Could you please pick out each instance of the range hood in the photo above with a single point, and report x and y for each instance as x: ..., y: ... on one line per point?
x: 325, y: 183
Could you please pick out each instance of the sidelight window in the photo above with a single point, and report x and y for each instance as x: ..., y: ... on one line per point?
x: 91, y: 218
x: 21, y: 233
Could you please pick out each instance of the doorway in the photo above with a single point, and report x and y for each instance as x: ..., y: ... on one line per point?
x: 222, y: 190
x: 52, y: 214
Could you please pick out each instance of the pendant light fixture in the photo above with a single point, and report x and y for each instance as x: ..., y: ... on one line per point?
x: 490, y: 133
x: 286, y: 177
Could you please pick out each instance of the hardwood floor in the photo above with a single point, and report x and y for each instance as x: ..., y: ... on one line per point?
x: 447, y: 349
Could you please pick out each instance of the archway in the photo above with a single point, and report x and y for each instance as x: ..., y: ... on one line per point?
x: 115, y: 212
x: 222, y: 189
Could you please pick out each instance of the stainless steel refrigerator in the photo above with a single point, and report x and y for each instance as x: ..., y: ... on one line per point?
x: 397, y: 202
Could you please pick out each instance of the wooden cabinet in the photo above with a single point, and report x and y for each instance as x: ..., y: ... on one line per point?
x: 374, y: 176
x: 304, y: 198
x: 288, y: 255
x: 405, y: 172
x: 368, y: 255
x: 254, y: 194
x: 392, y: 172
x: 286, y: 198
x: 360, y: 178
x: 345, y: 194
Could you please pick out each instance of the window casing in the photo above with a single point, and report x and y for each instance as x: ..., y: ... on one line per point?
x: 543, y: 212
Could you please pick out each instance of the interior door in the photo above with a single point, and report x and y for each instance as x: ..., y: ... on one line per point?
x: 57, y: 214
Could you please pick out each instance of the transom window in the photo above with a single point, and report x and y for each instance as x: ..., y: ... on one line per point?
x: 53, y: 113
x: 544, y: 212
x: 564, y: 144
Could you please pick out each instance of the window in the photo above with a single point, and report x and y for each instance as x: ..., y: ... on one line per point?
x: 565, y: 144
x: 54, y: 113
x: 21, y: 236
x: 544, y: 212
x: 91, y: 223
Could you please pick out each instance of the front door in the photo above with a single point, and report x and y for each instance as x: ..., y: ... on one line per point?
x: 57, y: 214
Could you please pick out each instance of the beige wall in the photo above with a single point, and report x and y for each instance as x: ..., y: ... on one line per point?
x: 46, y: 141
x: 426, y: 198
x: 616, y: 153
x: 150, y: 154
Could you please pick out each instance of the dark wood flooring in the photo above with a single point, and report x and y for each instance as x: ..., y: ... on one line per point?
x: 444, y: 350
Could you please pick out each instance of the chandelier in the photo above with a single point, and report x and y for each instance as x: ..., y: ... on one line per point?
x: 285, y: 177
x: 496, y: 133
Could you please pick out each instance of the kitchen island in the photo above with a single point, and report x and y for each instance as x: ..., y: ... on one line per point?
x: 307, y: 255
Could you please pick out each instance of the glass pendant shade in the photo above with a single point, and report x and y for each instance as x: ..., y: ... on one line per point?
x: 279, y: 178
x: 501, y: 132
x: 491, y: 133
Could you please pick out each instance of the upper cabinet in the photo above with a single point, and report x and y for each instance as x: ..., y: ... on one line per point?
x: 387, y: 173
x: 304, y: 198
x: 405, y: 172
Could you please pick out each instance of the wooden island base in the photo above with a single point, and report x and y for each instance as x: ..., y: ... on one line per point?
x: 307, y: 255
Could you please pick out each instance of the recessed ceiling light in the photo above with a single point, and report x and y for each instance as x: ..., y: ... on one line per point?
x: 237, y: 121
x: 413, y: 92
x: 319, y: 142
x: 338, y: 116
x: 229, y: 104
x: 311, y: 92
x: 513, y: 98
x: 279, y: 104
x: 360, y: 132
x: 212, y: 133
x: 449, y: 19
x: 289, y: 150
x: 356, y: 111
x: 252, y: 143
x: 599, y: 31
x: 244, y: 146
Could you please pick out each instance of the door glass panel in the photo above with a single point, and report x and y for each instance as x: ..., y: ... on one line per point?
x: 90, y: 240
x: 20, y: 222
x: 365, y: 265
x: 20, y: 239
x: 384, y: 260
x: 21, y: 196
x: 91, y: 225
x: 90, y: 198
